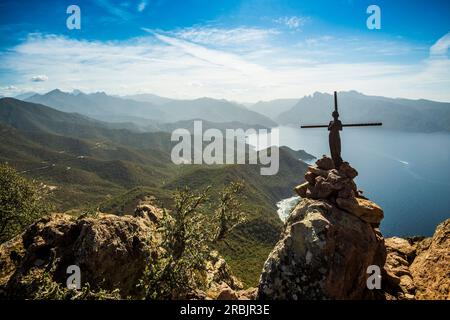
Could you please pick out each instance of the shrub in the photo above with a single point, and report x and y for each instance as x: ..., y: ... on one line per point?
x: 187, y: 234
x: 22, y: 202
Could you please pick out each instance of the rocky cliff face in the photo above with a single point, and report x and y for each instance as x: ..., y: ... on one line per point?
x: 331, y: 238
x: 419, y: 268
x: 111, y: 251
x: 323, y: 253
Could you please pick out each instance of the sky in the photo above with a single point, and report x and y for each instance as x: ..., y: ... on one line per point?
x: 243, y: 51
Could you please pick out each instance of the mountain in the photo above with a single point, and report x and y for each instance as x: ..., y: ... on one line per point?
x: 103, y: 107
x: 216, y: 111
x: 25, y: 95
x: 402, y: 114
x: 99, y: 106
x: 88, y: 163
x: 148, y: 97
x: 272, y: 109
x: 222, y: 126
x: 37, y: 117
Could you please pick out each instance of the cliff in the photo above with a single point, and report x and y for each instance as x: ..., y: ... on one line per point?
x: 111, y: 251
x: 328, y: 249
x: 331, y: 245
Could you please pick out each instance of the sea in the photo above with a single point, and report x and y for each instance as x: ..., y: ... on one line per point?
x: 406, y: 173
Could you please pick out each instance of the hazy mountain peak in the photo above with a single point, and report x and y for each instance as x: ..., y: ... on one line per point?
x: 25, y: 95
x: 76, y: 92
x: 99, y: 94
x: 55, y: 92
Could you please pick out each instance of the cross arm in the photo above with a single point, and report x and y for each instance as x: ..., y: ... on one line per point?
x: 315, y: 126
x: 362, y: 124
x: 344, y: 125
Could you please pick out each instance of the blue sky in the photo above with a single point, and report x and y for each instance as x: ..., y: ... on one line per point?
x: 239, y: 50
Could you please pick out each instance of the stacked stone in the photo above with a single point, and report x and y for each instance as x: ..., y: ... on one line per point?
x: 324, y: 181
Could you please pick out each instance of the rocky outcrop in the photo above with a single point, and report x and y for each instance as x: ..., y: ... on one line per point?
x: 329, y: 240
x: 397, y: 279
x: 146, y: 208
x: 336, y: 185
x: 331, y: 237
x: 419, y: 268
x: 323, y: 253
x: 109, y: 250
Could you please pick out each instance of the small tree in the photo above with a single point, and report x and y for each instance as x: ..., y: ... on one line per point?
x: 176, y: 270
x: 187, y: 234
x: 22, y: 202
x: 228, y: 213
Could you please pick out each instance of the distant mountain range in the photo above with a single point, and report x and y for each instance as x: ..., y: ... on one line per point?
x: 400, y: 114
x: 145, y: 113
x: 148, y: 97
x: 273, y: 108
x: 148, y: 112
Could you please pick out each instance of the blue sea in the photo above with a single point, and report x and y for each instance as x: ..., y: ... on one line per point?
x: 407, y: 174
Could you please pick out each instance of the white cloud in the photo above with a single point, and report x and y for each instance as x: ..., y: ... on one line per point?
x: 39, y: 78
x: 223, y: 37
x: 178, y: 66
x: 214, y: 57
x: 113, y: 9
x: 292, y: 22
x: 440, y: 48
x: 142, y: 5
x: 6, y: 89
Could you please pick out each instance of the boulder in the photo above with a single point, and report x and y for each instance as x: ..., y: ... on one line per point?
x: 109, y: 250
x: 317, y: 171
x: 401, y: 246
x: 431, y: 267
x: 322, y: 189
x: 347, y: 170
x: 323, y: 253
x: 149, y: 210
x: 418, y: 268
x: 325, y: 163
x: 362, y: 208
x: 310, y: 177
x: 301, y: 189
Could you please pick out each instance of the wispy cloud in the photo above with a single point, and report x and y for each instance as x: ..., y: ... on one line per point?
x: 183, y: 64
x: 292, y: 22
x: 113, y: 9
x: 142, y: 5
x: 440, y: 48
x: 39, y: 78
x: 224, y: 36
x: 214, y: 57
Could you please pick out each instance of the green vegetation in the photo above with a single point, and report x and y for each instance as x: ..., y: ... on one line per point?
x: 41, y: 286
x: 187, y: 236
x: 90, y: 165
x: 21, y: 202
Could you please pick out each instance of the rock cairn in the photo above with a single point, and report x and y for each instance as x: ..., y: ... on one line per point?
x: 336, y: 185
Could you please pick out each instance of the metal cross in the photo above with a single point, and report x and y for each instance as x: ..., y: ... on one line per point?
x: 334, y: 127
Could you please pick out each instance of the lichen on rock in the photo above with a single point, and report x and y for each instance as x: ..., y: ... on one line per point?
x: 323, y: 254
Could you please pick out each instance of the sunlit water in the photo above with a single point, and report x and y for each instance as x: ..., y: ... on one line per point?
x: 408, y: 174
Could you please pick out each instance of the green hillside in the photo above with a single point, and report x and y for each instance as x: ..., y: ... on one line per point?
x: 113, y: 169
